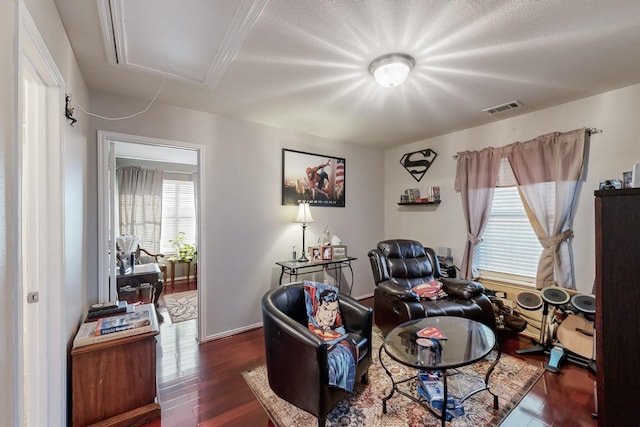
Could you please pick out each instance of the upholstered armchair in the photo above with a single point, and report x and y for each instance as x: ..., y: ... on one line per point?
x: 398, y: 266
x: 297, y: 358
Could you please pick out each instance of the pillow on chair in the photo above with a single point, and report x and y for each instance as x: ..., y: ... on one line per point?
x: 430, y: 291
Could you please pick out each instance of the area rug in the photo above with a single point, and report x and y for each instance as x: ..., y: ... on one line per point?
x: 182, y: 306
x: 511, y: 380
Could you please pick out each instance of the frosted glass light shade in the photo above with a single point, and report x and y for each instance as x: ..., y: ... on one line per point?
x: 304, y: 213
x: 391, y: 69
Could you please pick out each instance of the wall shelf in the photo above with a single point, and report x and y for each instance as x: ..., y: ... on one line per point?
x: 436, y: 202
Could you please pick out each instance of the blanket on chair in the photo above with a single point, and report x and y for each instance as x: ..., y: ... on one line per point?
x: 324, y: 319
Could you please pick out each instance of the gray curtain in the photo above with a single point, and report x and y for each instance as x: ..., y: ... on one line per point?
x: 548, y: 171
x: 140, y: 204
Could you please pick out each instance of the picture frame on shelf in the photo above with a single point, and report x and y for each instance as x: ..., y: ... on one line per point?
x: 326, y: 253
x: 317, y: 179
x: 627, y: 179
x: 338, y: 251
x: 412, y: 194
x: 610, y: 184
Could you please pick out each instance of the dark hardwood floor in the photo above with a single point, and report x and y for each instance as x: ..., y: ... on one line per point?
x: 201, y: 385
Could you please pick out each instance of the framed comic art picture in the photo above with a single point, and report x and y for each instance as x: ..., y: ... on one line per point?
x: 312, y: 178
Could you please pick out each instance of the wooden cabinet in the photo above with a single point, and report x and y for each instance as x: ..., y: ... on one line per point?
x: 617, y: 214
x: 114, y: 382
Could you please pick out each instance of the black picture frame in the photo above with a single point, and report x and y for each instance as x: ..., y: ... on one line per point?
x: 300, y: 169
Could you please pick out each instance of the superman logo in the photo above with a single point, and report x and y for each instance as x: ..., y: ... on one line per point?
x: 418, y: 162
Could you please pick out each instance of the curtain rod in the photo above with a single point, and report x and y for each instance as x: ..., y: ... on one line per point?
x: 588, y: 131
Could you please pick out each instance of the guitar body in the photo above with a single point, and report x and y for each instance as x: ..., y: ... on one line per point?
x: 570, y: 335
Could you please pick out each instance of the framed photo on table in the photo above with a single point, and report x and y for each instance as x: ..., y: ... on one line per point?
x: 339, y: 251
x: 315, y: 253
x: 316, y: 179
x: 326, y: 253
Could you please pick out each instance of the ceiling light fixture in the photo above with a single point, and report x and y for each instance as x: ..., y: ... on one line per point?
x: 391, y: 69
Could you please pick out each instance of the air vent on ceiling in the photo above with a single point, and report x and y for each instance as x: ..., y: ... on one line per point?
x: 503, y: 107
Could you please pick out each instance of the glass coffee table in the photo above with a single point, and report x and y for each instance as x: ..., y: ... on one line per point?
x: 467, y: 342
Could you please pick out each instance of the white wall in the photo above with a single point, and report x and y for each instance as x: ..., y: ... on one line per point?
x: 247, y: 229
x: 7, y: 180
x: 72, y: 289
x: 611, y: 153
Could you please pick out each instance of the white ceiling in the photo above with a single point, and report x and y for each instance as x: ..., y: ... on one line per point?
x: 303, y: 64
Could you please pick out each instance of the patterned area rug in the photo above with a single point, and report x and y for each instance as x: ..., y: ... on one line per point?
x: 182, y: 306
x: 511, y: 380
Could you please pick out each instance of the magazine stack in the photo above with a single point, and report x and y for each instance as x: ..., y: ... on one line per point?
x: 430, y: 387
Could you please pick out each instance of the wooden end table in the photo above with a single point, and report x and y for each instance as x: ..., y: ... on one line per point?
x: 188, y: 262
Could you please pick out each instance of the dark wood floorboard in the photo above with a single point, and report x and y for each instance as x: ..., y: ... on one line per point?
x: 201, y: 385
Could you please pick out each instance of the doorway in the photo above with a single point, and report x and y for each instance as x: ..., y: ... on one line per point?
x: 176, y: 159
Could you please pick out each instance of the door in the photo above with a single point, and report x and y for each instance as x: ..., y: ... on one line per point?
x: 41, y: 233
x: 107, y: 230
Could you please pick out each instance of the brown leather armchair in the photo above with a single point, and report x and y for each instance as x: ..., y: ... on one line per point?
x: 297, y: 358
x: 399, y: 265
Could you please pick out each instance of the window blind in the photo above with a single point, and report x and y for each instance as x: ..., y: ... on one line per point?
x: 509, y: 244
x: 178, y: 213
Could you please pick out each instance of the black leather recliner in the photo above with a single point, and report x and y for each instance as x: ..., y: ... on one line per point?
x: 297, y: 358
x: 398, y: 266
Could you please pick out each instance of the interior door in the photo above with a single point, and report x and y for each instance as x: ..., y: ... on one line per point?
x: 107, y: 225
x: 40, y: 373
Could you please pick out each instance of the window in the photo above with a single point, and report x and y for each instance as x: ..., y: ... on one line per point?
x: 178, y: 212
x: 509, y: 244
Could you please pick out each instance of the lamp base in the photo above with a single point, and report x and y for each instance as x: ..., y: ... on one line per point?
x: 303, y: 259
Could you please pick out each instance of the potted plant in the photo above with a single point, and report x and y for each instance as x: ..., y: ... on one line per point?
x: 184, y: 251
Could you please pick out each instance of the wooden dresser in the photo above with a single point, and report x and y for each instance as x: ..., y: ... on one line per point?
x: 617, y: 214
x: 114, y: 382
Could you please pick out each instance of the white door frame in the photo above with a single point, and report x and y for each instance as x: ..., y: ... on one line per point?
x: 40, y: 353
x: 106, y: 214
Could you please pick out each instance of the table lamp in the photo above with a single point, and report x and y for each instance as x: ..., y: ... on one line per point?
x: 304, y: 216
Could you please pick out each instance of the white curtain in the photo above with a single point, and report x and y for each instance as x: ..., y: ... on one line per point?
x: 140, y: 202
x: 548, y: 171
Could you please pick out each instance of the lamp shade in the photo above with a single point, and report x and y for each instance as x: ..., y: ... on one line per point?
x: 304, y: 213
x: 391, y: 69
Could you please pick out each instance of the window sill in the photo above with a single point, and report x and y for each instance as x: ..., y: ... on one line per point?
x: 526, y: 283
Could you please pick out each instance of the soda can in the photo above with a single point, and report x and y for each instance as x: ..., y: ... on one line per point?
x: 427, y: 352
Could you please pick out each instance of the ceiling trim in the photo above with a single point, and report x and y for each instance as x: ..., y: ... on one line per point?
x: 242, y: 24
x: 106, y: 24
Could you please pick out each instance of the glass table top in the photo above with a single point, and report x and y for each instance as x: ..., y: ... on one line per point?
x: 467, y: 341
